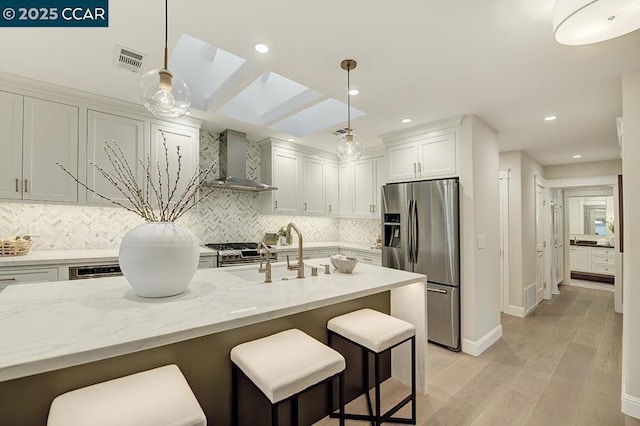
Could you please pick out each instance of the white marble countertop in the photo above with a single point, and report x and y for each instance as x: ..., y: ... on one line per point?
x: 80, y: 256
x: 327, y: 245
x: 55, y: 257
x: 48, y: 326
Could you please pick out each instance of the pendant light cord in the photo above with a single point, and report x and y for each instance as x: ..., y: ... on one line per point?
x: 348, y: 100
x: 166, y: 32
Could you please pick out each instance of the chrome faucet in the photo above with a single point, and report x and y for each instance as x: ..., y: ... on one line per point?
x: 300, y: 266
x: 267, y: 269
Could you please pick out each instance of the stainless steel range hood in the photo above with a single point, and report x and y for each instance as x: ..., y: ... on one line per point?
x: 233, y: 164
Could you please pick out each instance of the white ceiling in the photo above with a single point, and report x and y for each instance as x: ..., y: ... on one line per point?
x: 424, y: 59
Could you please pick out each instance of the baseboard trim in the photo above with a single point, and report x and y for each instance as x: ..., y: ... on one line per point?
x: 531, y: 308
x: 630, y: 404
x: 516, y: 311
x: 477, y: 347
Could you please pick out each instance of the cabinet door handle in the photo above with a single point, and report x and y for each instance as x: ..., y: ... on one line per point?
x: 373, y: 206
x: 4, y: 280
x: 275, y: 204
x: 419, y: 167
x: 305, y: 206
x: 17, y: 184
x: 329, y: 208
x: 26, y: 185
x: 415, y: 168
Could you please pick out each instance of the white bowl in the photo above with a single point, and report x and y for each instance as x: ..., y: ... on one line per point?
x: 343, y: 263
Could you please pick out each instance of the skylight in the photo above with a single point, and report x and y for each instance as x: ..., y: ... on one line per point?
x: 320, y: 116
x: 267, y: 99
x: 204, y: 67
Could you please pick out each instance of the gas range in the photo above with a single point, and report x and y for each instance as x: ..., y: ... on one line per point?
x: 230, y: 254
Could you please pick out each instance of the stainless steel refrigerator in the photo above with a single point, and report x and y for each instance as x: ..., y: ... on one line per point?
x: 421, y: 234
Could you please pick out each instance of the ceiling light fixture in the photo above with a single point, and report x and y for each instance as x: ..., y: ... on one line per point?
x: 406, y: 120
x: 350, y: 146
x: 577, y: 22
x: 164, y: 94
x: 261, y: 48
x: 577, y: 156
x: 354, y: 92
x: 550, y: 117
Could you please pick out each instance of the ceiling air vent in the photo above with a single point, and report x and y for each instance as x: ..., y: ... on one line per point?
x: 342, y: 131
x: 128, y: 59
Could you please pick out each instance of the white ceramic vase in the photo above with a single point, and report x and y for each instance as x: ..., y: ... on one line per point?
x: 159, y: 258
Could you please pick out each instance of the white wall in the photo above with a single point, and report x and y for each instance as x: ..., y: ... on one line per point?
x: 522, y: 222
x: 479, y: 216
x: 589, y: 169
x: 631, y: 266
x: 512, y: 161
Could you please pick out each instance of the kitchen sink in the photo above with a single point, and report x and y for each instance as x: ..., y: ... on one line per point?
x: 279, y: 272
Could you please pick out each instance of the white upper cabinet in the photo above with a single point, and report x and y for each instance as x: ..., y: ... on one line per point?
x: 50, y: 136
x: 345, y: 204
x: 363, y: 188
x: 286, y: 177
x: 188, y: 139
x: 423, y: 152
x: 128, y: 134
x: 314, y: 186
x: 300, y: 174
x: 437, y: 156
x: 402, y: 161
x: 332, y: 189
x: 11, y: 142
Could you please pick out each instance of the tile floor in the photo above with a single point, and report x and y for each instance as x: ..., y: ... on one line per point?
x: 558, y: 366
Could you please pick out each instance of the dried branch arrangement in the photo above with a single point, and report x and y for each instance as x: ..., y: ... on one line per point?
x: 155, y: 199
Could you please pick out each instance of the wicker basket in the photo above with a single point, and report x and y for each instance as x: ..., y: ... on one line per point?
x: 14, y: 247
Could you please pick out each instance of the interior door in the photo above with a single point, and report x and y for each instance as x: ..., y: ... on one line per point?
x: 540, y: 244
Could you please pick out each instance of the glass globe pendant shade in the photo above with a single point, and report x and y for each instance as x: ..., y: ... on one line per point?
x: 579, y: 22
x: 164, y: 94
x: 350, y: 147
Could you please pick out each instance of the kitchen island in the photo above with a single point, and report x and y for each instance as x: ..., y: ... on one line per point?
x: 68, y: 334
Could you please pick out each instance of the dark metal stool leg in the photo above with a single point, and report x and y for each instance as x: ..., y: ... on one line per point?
x: 274, y: 415
x: 365, y: 379
x: 234, y: 394
x: 413, y: 380
x: 377, y: 386
x: 341, y: 397
x: 330, y: 396
x: 294, y: 410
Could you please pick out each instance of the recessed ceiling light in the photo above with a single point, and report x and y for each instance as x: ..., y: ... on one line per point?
x: 261, y: 48
x: 550, y: 117
x: 577, y: 156
x: 291, y: 140
x: 407, y: 120
x: 354, y: 92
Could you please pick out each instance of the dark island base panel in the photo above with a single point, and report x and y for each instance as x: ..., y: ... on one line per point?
x: 587, y: 276
x: 205, y: 363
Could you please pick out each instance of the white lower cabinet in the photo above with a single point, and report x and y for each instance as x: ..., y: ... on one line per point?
x: 579, y: 257
x: 306, y: 254
x: 365, y: 256
x: 597, y: 260
x: 128, y: 135
x: 27, y: 276
x: 207, y: 262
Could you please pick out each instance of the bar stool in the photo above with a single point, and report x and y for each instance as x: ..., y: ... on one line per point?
x: 160, y: 396
x: 283, y: 366
x: 375, y: 332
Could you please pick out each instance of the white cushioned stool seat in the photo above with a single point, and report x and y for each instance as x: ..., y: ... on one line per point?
x: 372, y: 329
x: 286, y: 363
x: 160, y: 396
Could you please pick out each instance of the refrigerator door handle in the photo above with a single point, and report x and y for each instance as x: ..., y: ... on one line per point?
x: 436, y: 290
x: 410, y: 231
x: 415, y: 232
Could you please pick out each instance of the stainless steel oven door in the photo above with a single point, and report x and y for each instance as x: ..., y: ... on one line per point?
x: 91, y: 271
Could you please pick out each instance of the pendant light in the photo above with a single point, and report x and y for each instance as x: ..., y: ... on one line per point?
x: 164, y: 94
x: 578, y: 22
x: 350, y: 146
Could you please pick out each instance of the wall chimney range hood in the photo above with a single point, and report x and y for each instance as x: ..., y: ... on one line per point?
x: 233, y: 164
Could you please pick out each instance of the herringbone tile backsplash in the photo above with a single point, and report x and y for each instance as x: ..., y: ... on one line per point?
x: 225, y: 216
